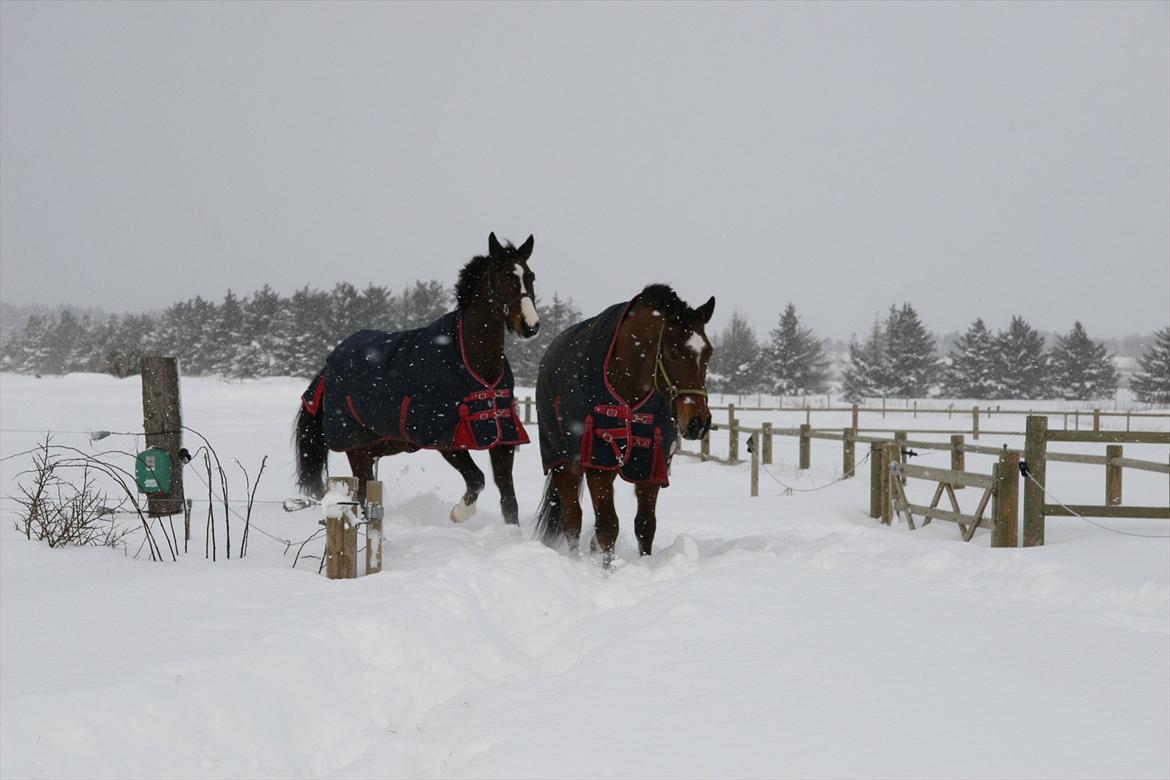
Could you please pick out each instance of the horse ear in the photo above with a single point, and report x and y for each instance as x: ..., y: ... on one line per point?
x: 494, y: 248
x: 525, y: 250
x: 706, y: 310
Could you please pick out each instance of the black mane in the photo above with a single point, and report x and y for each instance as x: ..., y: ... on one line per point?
x: 664, y: 299
x: 470, y: 275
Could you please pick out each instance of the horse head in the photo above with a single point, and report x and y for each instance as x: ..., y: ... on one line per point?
x: 509, y: 284
x: 680, y: 371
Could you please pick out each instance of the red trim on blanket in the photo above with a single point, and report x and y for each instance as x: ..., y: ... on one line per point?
x: 353, y: 412
x: 312, y: 407
x: 402, y: 419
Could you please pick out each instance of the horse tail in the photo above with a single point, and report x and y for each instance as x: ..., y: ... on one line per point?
x: 548, y: 527
x: 312, y: 451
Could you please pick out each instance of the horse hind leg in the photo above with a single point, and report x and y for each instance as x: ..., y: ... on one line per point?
x: 567, y: 485
x: 472, y: 477
x: 646, y: 521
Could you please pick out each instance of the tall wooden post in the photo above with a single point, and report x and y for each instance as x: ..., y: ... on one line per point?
x: 732, y: 435
x: 1112, y: 475
x: 1096, y: 419
x: 975, y: 423
x: 1005, y: 510
x: 854, y: 419
x: 767, y: 453
x: 958, y: 456
x: 848, y: 457
x: 162, y: 420
x: 805, y: 445
x: 755, y: 463
x: 373, y: 527
x: 1035, y: 454
x: 889, y: 455
x: 875, y: 480
x: 341, y: 529
x: 900, y: 449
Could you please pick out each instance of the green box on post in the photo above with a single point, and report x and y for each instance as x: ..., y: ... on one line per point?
x: 153, y: 471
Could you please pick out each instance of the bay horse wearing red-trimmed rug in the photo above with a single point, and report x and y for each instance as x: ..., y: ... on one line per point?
x: 612, y: 394
x: 447, y: 386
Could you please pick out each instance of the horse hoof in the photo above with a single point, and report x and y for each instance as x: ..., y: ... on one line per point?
x: 461, y: 512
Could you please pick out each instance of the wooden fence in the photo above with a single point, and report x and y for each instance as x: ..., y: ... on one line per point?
x: 1037, y: 456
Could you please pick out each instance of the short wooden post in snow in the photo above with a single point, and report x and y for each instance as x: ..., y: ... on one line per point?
x: 755, y: 463
x: 889, y: 457
x: 958, y: 456
x: 373, y: 527
x: 900, y: 451
x: 705, y: 447
x: 1005, y: 511
x: 528, y: 410
x: 341, y: 528
x: 848, y: 453
x: 767, y: 453
x: 1112, y: 475
x: 875, y: 480
x: 1096, y: 419
x: 854, y: 419
x: 805, y: 445
x: 732, y: 435
x: 975, y: 423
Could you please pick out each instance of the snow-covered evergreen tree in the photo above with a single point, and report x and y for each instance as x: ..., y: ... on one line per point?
x: 1151, y: 383
x: 971, y: 372
x: 524, y: 354
x: 1023, y: 366
x: 735, y: 366
x: 794, y: 360
x: 913, y: 364
x: 422, y: 303
x: 1082, y: 369
x: 258, y: 354
x: 867, y: 374
x: 308, y: 337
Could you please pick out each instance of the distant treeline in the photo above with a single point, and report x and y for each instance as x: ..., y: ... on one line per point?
x: 268, y: 334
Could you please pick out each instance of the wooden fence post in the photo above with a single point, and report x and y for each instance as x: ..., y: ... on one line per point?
x: 1096, y: 419
x: 916, y: 408
x: 848, y: 453
x: 528, y: 410
x: 875, y: 480
x: 1035, y: 455
x: 975, y: 423
x: 889, y: 455
x: 805, y: 445
x: 900, y: 449
x: 732, y: 435
x: 854, y: 419
x: 705, y: 447
x: 341, y: 530
x: 1005, y: 506
x: 883, y: 408
x: 755, y: 463
x: 162, y: 421
x: 1112, y: 475
x: 767, y: 453
x: 958, y: 456
x: 373, y: 527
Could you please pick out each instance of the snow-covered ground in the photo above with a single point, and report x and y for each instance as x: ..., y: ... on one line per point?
x: 779, y: 636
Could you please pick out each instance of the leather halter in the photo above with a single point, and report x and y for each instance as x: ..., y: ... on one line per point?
x: 672, y: 389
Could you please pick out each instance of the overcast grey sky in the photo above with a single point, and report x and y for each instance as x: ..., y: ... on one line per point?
x: 978, y: 159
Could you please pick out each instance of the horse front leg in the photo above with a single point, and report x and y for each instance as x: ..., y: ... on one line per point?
x: 502, y: 458
x: 646, y: 521
x: 472, y: 477
x: 605, y: 527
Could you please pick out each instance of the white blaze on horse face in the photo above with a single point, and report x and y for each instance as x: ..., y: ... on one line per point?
x: 696, y: 344
x: 531, y: 318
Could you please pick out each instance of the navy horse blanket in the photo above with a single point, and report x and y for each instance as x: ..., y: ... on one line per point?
x: 413, y: 386
x: 583, y: 421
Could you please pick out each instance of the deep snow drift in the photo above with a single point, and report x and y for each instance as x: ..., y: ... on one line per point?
x: 781, y: 636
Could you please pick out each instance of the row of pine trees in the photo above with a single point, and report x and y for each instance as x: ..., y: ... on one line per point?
x: 898, y: 358
x: 267, y: 334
